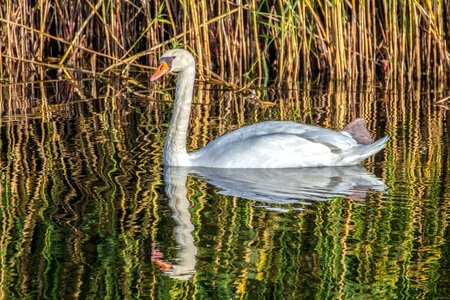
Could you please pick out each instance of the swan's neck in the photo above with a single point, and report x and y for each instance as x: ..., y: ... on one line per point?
x: 175, y: 153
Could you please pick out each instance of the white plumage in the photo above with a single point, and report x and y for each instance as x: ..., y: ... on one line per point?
x: 274, y: 144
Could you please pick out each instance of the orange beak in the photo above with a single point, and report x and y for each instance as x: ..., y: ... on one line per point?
x: 163, y: 68
x: 164, y: 266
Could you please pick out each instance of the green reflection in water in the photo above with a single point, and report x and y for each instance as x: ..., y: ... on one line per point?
x: 85, y: 214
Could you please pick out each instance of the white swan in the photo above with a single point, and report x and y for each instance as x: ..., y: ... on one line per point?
x: 274, y: 144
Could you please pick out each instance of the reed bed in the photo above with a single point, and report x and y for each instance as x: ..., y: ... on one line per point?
x: 258, y: 42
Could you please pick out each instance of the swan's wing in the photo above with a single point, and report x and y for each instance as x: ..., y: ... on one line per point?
x: 334, y: 139
x: 274, y: 144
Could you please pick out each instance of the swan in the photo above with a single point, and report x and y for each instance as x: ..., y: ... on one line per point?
x: 271, y: 144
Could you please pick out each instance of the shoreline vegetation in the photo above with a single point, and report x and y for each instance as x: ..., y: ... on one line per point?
x: 257, y: 43
x: 83, y: 203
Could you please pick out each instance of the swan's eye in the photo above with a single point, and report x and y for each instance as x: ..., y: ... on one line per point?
x: 168, y: 60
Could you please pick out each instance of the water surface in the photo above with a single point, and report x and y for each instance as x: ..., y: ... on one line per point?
x: 88, y: 210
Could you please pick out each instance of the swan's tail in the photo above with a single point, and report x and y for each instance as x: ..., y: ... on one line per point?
x: 358, y: 130
x: 360, y: 153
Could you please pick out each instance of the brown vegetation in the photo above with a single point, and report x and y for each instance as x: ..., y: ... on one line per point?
x: 259, y: 42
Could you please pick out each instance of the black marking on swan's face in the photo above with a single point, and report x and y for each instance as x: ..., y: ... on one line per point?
x: 167, y: 59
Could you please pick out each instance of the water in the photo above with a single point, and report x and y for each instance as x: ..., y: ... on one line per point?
x: 88, y: 211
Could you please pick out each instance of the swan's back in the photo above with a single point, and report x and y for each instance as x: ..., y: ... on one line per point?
x: 279, y: 144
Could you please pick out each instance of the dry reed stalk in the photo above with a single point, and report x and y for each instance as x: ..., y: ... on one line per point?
x: 274, y: 41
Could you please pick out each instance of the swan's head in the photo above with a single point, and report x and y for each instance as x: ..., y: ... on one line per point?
x: 174, y: 60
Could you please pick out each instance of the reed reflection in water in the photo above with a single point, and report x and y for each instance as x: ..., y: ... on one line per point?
x: 88, y: 211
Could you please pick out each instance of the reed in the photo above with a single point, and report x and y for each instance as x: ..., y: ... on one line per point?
x: 261, y: 42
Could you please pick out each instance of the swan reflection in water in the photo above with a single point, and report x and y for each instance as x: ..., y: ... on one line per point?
x: 268, y: 186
